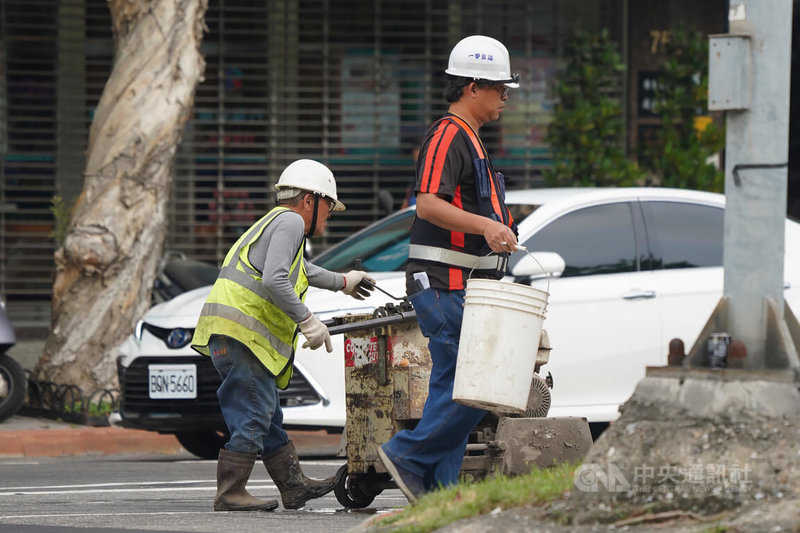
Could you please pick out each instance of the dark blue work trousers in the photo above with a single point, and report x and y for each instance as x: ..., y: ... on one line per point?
x: 248, y: 398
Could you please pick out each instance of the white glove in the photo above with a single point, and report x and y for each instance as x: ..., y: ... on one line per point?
x: 353, y: 285
x: 315, y: 333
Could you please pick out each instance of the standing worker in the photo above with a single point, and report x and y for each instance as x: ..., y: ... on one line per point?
x: 461, y: 218
x: 249, y: 326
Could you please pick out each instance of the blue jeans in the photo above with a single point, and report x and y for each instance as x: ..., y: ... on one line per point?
x: 434, y: 449
x: 248, y: 398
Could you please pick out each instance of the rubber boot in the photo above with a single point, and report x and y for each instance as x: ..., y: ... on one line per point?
x: 296, y: 489
x: 233, y: 471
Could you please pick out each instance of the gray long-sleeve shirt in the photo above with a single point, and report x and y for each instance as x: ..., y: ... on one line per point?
x: 274, y: 251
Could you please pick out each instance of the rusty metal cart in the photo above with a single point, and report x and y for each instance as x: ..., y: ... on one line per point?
x: 387, y: 369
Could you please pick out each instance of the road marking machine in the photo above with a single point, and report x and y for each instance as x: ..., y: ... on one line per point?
x: 387, y: 368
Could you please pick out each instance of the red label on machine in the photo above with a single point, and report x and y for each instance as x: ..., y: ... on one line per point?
x: 361, y: 351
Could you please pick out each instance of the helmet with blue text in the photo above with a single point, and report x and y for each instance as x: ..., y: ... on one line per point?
x: 482, y: 58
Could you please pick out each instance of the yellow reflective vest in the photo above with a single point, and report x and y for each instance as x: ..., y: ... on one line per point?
x: 239, y: 307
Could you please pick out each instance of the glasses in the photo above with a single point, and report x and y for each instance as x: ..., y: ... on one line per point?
x: 328, y: 201
x: 502, y: 89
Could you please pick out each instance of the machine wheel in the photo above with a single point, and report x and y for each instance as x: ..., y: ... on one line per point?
x: 539, y: 399
x: 350, y: 493
x: 203, y: 444
x: 12, y: 386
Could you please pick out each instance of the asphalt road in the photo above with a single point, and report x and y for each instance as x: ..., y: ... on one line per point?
x: 157, y: 493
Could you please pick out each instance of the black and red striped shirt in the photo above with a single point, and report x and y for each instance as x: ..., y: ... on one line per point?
x: 445, y: 167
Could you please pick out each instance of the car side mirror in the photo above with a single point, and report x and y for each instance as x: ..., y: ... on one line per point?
x: 539, y: 264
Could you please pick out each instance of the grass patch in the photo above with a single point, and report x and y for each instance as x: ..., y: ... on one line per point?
x: 101, y: 409
x: 442, y: 507
x: 719, y: 528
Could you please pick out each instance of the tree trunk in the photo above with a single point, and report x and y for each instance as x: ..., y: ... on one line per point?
x: 106, y: 266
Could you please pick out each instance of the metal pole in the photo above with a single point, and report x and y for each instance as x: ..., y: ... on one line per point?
x: 756, y: 155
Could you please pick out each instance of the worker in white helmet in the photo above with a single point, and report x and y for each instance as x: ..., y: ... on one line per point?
x: 461, y: 219
x: 249, y: 327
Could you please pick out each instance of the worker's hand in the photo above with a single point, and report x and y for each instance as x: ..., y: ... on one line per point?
x: 354, y: 287
x: 500, y: 237
x: 315, y: 333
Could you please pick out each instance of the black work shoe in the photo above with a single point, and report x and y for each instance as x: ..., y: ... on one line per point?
x: 411, y: 484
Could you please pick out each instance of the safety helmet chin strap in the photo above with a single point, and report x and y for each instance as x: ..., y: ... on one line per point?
x: 313, y: 227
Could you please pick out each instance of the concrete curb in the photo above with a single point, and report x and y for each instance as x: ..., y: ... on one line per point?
x: 84, y: 441
x: 30, y: 437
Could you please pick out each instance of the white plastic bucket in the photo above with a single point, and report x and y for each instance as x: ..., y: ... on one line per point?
x: 499, y: 340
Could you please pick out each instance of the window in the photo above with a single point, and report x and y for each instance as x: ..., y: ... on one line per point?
x: 594, y: 240
x: 684, y: 235
x: 382, y: 247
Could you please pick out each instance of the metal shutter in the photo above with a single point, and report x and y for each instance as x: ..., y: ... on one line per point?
x: 28, y: 147
x: 352, y: 84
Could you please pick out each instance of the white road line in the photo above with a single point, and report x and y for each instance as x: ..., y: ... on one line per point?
x: 83, y: 515
x: 210, y: 487
x: 124, y: 483
x: 102, y: 491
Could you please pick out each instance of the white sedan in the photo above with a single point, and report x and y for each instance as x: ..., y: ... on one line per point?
x: 642, y: 266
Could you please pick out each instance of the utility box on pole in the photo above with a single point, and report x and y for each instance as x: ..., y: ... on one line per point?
x: 730, y: 72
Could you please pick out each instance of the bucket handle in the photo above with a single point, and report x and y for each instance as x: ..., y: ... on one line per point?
x: 523, y: 249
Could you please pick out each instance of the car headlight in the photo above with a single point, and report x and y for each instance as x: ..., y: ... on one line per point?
x: 137, y: 332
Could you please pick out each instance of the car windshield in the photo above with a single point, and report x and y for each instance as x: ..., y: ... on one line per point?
x: 383, y: 246
x: 380, y: 247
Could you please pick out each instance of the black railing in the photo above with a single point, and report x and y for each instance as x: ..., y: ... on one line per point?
x: 56, y: 401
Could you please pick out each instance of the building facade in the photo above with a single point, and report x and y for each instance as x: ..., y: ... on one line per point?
x: 352, y: 84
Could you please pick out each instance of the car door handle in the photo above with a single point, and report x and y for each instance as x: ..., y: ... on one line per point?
x: 638, y: 294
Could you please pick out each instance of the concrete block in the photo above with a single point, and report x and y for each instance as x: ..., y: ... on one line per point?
x: 712, y: 394
x: 540, y: 442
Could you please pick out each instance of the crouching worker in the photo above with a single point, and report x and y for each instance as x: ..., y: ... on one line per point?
x: 249, y: 326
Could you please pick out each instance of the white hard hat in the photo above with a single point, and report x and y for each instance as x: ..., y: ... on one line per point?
x: 308, y: 175
x: 482, y: 58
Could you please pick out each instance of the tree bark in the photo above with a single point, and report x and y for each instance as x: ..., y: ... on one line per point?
x: 106, y: 266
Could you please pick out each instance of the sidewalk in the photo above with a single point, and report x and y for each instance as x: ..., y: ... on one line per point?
x: 38, y: 437
x: 33, y: 437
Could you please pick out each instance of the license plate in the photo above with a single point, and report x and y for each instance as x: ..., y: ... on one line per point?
x: 172, y: 381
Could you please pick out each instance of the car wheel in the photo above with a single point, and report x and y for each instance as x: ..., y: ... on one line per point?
x: 12, y: 386
x: 203, y: 444
x: 349, y: 492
